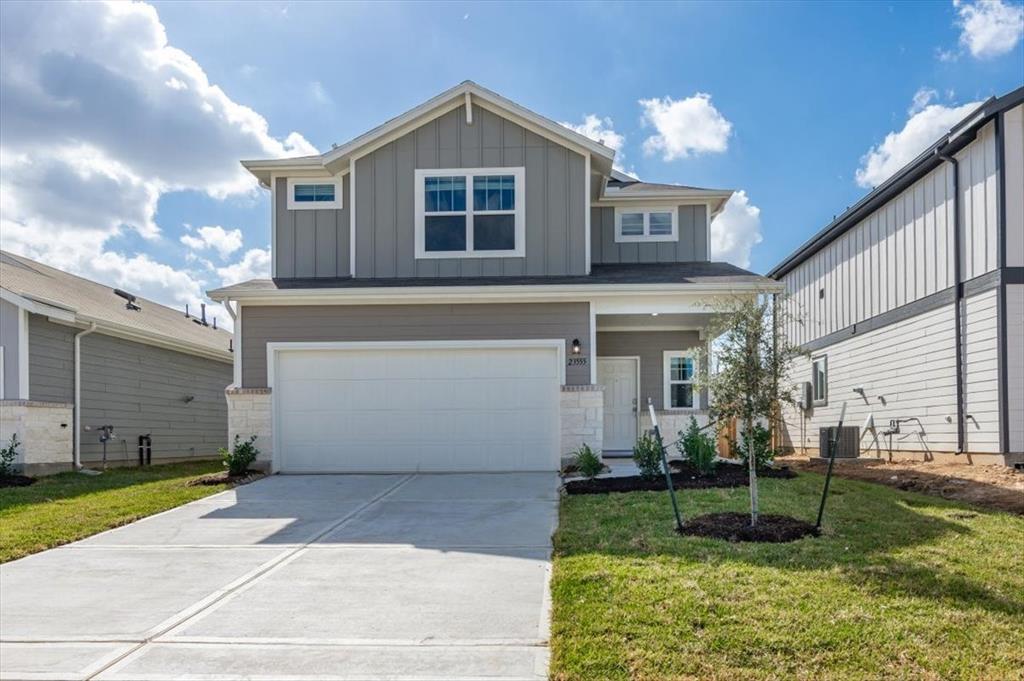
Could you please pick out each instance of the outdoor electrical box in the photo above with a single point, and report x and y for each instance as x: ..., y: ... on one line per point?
x: 847, y: 445
x: 806, y: 398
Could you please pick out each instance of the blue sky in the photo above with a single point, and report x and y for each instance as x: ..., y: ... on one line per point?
x: 803, y: 95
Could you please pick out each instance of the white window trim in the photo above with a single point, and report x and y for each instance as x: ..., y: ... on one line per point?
x: 815, y: 402
x: 667, y: 381
x: 520, y: 213
x: 337, y: 204
x: 646, y: 236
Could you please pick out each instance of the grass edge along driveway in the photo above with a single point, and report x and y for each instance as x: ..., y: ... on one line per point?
x: 66, y: 507
x: 900, y: 586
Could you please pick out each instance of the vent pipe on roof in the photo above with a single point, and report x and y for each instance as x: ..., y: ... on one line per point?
x: 186, y: 311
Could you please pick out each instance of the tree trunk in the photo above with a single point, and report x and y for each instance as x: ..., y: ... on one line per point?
x: 752, y: 466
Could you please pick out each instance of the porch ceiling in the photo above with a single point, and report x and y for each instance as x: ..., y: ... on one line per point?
x: 668, y: 321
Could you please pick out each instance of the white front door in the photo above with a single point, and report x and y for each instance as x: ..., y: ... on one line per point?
x: 618, y: 375
x: 417, y: 408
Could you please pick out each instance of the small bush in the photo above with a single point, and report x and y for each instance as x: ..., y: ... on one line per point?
x: 7, y: 456
x: 698, y: 447
x: 647, y: 455
x: 587, y: 461
x: 242, y: 454
x: 761, y: 439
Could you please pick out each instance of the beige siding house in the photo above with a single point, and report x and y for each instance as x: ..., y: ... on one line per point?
x: 928, y: 265
x: 471, y: 287
x: 75, y: 356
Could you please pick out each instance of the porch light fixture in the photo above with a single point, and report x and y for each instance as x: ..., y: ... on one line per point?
x: 576, y: 347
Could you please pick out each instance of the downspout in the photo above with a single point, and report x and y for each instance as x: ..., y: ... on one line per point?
x: 958, y: 298
x: 78, y: 395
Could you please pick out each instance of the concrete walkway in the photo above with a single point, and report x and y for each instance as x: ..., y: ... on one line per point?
x: 299, y: 577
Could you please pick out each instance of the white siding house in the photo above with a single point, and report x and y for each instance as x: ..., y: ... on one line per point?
x: 873, y: 298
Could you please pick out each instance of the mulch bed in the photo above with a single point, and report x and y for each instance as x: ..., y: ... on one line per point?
x: 684, y: 476
x: 224, y: 478
x: 16, y: 481
x: 736, y: 527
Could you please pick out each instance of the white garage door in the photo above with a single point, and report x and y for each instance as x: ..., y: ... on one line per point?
x: 423, y: 408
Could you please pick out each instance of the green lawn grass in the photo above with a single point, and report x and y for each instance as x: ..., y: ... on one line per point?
x: 66, y: 507
x: 901, y: 586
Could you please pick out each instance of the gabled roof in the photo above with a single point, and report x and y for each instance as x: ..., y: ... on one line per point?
x: 337, y: 159
x: 48, y: 291
x: 958, y: 136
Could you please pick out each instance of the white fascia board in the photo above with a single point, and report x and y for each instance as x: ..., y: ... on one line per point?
x: 37, y: 307
x: 265, y: 170
x: 611, y: 197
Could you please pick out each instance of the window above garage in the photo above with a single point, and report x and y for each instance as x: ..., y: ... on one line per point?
x: 471, y: 213
x: 314, y: 193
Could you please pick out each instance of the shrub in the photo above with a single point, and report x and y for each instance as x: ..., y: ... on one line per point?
x: 7, y: 456
x: 647, y: 455
x: 761, y: 440
x: 698, y: 447
x: 242, y: 454
x: 587, y: 461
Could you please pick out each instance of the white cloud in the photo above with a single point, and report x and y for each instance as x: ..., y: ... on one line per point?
x: 922, y: 98
x: 736, y: 230
x: 602, y: 130
x: 318, y: 93
x: 989, y: 28
x: 255, y: 264
x: 223, y: 241
x: 686, y: 127
x: 898, y: 148
x: 101, y: 116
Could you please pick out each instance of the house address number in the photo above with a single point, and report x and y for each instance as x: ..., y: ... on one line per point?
x: 577, y: 361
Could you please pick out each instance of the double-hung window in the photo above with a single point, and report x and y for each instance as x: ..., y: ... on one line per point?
x: 307, y: 193
x: 470, y: 213
x: 680, y: 371
x: 646, y: 224
x: 819, y: 380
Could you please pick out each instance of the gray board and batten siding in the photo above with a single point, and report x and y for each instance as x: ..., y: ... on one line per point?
x: 139, y: 389
x: 311, y: 243
x: 310, y: 323
x: 691, y: 246
x: 650, y: 347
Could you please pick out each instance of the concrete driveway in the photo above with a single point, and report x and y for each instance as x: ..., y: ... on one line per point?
x: 299, y: 577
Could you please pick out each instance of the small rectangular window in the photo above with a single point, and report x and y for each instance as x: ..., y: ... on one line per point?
x: 680, y: 372
x: 819, y: 380
x: 314, y: 194
x: 647, y: 224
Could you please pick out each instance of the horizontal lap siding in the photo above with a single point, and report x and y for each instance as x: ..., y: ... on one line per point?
x: 51, y: 361
x: 650, y: 347
x: 692, y: 244
x: 908, y: 370
x: 409, y: 322
x: 140, y: 389
x: 1015, y: 365
x: 555, y: 198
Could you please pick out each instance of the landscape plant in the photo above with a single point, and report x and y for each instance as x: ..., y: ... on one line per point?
x: 753, y: 363
x: 240, y: 456
x: 698, y: 447
x: 760, y: 445
x: 7, y: 456
x: 587, y: 461
x: 647, y: 456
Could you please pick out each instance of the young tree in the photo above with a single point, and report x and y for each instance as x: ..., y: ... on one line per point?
x: 751, y: 380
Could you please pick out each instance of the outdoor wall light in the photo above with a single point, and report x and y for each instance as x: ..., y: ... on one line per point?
x: 576, y: 347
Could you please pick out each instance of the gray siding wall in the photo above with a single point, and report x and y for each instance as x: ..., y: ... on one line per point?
x: 137, y: 388
x: 9, y: 341
x: 410, y: 322
x: 311, y: 243
x: 650, y: 346
x: 691, y: 246
x: 555, y: 198
x: 1015, y: 365
x: 51, y: 360
x: 903, y: 251
x: 1013, y: 157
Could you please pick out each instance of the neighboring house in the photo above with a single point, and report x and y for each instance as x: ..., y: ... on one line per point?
x: 470, y: 287
x: 927, y: 264
x: 75, y: 355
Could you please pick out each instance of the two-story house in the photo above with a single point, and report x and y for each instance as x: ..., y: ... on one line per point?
x: 470, y: 287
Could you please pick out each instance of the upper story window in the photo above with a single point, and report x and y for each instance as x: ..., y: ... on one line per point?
x: 680, y: 372
x: 471, y: 213
x: 646, y: 224
x: 309, y: 193
x: 819, y: 380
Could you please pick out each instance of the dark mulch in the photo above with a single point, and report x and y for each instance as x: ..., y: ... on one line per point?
x: 684, y: 476
x: 16, y: 481
x: 223, y: 478
x: 736, y: 527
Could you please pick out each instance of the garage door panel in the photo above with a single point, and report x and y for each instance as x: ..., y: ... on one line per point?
x: 430, y: 409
